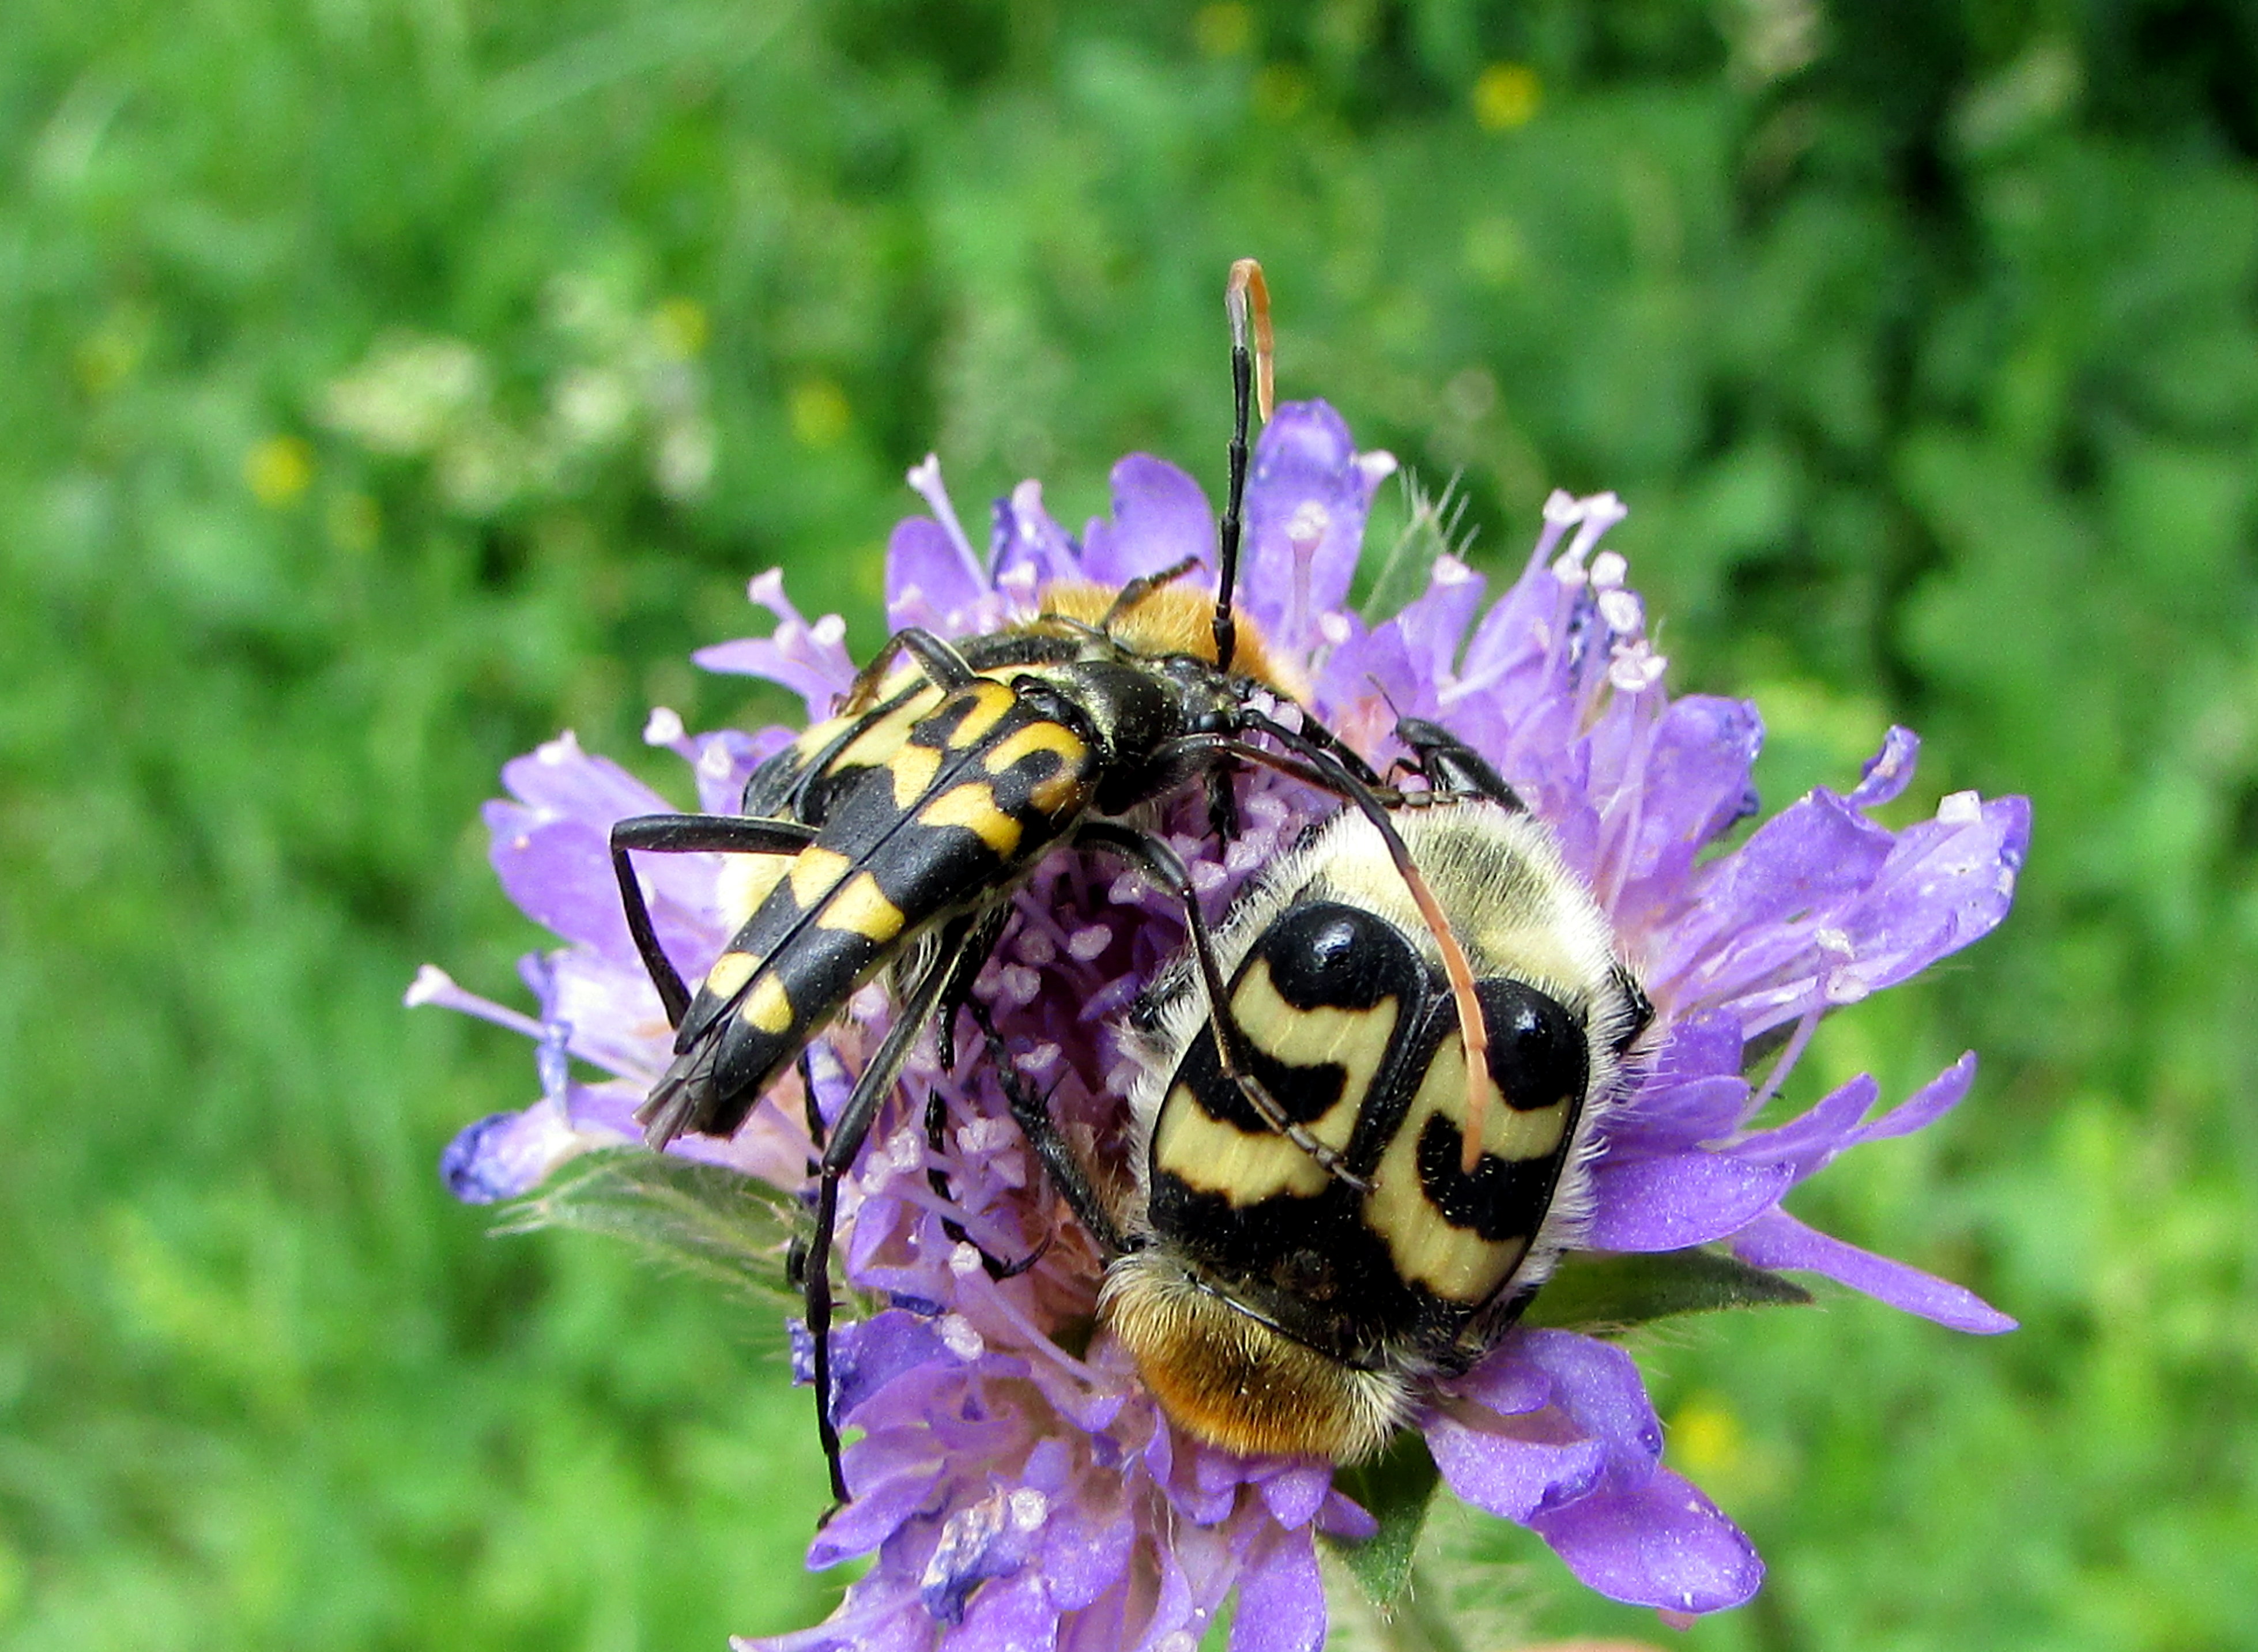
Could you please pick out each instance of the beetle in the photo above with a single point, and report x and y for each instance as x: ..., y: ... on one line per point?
x: 1272, y: 1308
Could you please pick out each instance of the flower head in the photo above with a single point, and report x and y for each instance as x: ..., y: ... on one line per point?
x: 1014, y: 1482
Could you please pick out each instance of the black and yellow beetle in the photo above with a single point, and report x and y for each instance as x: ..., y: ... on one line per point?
x: 1274, y: 1307
x: 891, y: 836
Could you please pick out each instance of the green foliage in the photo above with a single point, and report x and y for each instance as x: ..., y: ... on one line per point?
x: 1396, y: 1490
x: 1598, y: 1294
x: 713, y: 1223
x: 1919, y: 337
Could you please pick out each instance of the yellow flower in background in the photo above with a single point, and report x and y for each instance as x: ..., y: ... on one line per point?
x: 1706, y: 1438
x: 1507, y: 95
x: 682, y: 328
x: 819, y: 412
x: 278, y: 470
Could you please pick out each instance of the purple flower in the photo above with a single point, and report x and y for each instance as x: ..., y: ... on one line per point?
x: 1013, y: 1491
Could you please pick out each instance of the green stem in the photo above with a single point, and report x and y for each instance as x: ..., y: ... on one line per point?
x: 1416, y: 1622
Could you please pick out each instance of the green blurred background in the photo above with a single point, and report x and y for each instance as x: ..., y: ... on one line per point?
x: 391, y: 383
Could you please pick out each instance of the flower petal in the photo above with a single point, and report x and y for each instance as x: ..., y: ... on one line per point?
x: 1749, y: 921
x: 1660, y: 1117
x: 1670, y: 1201
x: 1811, y: 1138
x: 1926, y: 1105
x: 551, y: 850
x: 1294, y: 1495
x: 1026, y: 537
x: 1009, y: 1615
x: 1777, y: 1240
x: 508, y: 1155
x: 1281, y: 1599
x: 1949, y: 881
x: 1598, y: 1385
x: 1514, y: 1467
x: 1160, y: 517
x: 980, y: 1542
x: 1082, y: 1558
x: 1889, y: 771
x: 1307, y: 498
x: 811, y: 660
x: 1596, y: 1423
x: 1661, y: 1544
x: 1693, y: 783
x: 924, y: 563
x: 869, y: 1354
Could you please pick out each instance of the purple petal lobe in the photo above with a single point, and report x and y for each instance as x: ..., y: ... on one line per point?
x: 1282, y: 1600
x: 881, y: 1505
x: 1662, y: 1117
x: 869, y: 1354
x: 1598, y: 1386
x: 1661, y: 1544
x: 1949, y: 881
x: 1763, y: 926
x: 1508, y: 1382
x: 1806, y: 1142
x: 1514, y: 1467
x: 1294, y: 1497
x: 1926, y: 1105
x: 1014, y: 1615
x: 810, y: 660
x: 1889, y: 771
x: 1597, y: 1424
x: 1083, y: 1557
x: 1668, y: 1202
x: 1777, y: 1240
x: 990, y: 1539
x: 1026, y: 536
x: 1705, y: 1044
x: 1346, y: 1519
x: 1693, y: 783
x: 1160, y: 517
x: 552, y: 853
x: 1802, y: 860
x: 508, y: 1155
x: 1307, y: 497
x: 921, y: 557
x: 1434, y: 624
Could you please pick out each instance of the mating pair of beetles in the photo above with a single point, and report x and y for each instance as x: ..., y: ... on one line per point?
x: 1361, y: 1093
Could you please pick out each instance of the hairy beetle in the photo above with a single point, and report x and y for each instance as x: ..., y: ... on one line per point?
x: 1273, y: 1307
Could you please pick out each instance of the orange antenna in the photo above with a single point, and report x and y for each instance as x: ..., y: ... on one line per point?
x: 1247, y: 299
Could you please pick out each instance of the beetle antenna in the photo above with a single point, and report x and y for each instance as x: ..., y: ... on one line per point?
x: 1246, y: 301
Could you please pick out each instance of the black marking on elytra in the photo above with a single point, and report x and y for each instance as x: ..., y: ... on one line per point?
x: 1537, y: 1054
x: 1311, y: 1265
x: 1305, y: 1094
x: 935, y: 730
x: 1504, y: 1198
x: 1325, y: 955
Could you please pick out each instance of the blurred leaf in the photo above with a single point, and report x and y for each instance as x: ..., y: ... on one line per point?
x: 711, y: 1221
x: 1590, y: 1292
